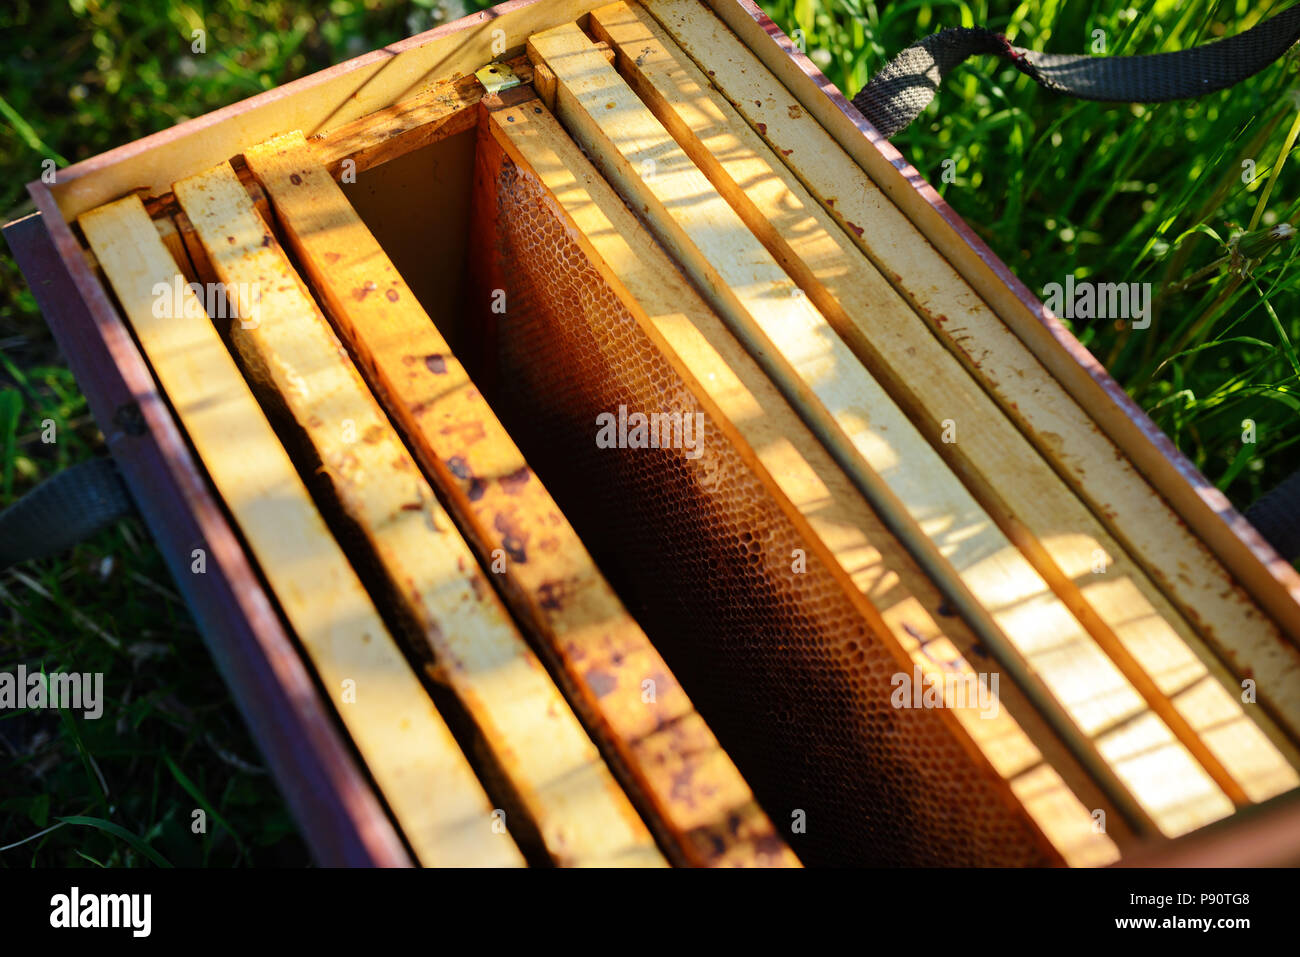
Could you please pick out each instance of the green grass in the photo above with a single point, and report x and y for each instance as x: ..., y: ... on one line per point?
x: 1113, y: 194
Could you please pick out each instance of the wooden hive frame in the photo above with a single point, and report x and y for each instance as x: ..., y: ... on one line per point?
x: 395, y: 726
x: 574, y: 815
x: 346, y: 106
x: 1046, y: 414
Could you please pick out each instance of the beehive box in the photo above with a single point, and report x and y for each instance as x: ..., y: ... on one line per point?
x: 605, y: 449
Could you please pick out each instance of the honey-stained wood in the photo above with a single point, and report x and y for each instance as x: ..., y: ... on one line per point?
x: 1028, y: 342
x: 582, y: 815
x: 416, y: 762
x: 664, y: 747
x: 171, y: 237
x: 1032, y: 629
x: 1151, y: 643
x: 715, y: 365
x: 195, y: 254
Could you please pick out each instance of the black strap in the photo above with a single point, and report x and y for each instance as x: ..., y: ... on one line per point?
x: 1276, y: 515
x: 70, y: 506
x: 898, y: 93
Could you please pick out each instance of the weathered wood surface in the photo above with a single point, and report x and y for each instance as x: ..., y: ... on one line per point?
x: 445, y: 109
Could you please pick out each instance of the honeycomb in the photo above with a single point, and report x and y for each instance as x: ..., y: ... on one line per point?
x: 784, y: 667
